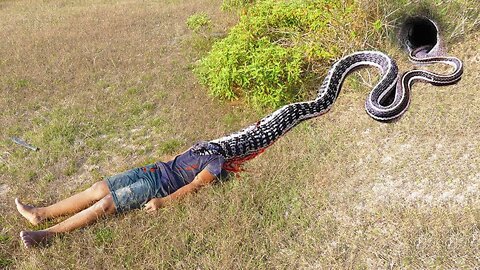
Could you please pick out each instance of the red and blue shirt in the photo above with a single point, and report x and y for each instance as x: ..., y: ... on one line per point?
x: 183, y: 169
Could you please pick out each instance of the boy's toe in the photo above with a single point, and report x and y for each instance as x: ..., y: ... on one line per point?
x: 28, y: 242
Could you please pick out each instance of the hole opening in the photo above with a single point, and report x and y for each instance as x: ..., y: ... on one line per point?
x: 418, y: 32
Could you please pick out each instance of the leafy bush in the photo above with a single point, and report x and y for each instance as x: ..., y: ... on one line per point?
x: 266, y: 55
x: 233, y: 4
x: 199, y: 22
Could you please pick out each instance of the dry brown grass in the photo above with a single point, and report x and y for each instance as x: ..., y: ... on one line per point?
x: 102, y: 86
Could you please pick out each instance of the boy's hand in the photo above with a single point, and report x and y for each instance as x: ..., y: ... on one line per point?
x: 153, y: 205
x: 202, y: 179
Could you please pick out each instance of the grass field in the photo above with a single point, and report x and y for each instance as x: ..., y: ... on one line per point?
x: 103, y: 86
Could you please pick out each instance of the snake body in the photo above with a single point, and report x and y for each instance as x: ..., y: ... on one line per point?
x: 388, y: 100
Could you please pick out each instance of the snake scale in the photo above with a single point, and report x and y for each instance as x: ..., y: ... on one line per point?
x: 387, y: 101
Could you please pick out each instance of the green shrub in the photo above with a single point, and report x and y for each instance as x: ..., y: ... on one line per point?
x: 199, y: 22
x: 268, y: 55
x: 233, y: 4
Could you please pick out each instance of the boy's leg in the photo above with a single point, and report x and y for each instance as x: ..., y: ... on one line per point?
x: 122, y: 197
x: 102, y: 208
x: 67, y: 206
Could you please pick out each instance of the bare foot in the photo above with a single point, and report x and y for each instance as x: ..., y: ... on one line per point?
x: 34, y: 238
x: 28, y: 212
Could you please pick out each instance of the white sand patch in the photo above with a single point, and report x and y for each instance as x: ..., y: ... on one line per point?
x: 4, y: 189
x: 414, y: 171
x: 425, y: 192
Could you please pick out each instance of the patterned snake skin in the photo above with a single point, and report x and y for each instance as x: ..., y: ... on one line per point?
x: 387, y: 101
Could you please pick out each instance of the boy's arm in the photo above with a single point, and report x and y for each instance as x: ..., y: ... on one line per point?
x: 202, y: 179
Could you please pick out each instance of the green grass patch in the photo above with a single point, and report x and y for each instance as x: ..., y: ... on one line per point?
x: 22, y: 83
x: 157, y: 122
x: 104, y: 236
x: 170, y: 146
x: 133, y: 91
x: 71, y: 168
x: 47, y: 177
x: 4, y: 239
x: 5, y: 262
x: 58, y: 129
x: 231, y: 119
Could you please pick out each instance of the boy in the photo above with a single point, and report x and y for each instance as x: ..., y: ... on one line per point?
x: 151, y: 187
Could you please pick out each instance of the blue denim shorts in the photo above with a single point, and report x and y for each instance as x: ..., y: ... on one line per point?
x: 134, y: 188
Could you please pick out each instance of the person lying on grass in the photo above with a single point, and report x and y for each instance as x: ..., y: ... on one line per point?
x: 150, y: 187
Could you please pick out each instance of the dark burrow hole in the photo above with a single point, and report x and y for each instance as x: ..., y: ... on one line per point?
x: 418, y: 32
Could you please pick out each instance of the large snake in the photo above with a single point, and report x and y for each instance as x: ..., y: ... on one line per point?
x: 388, y: 100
